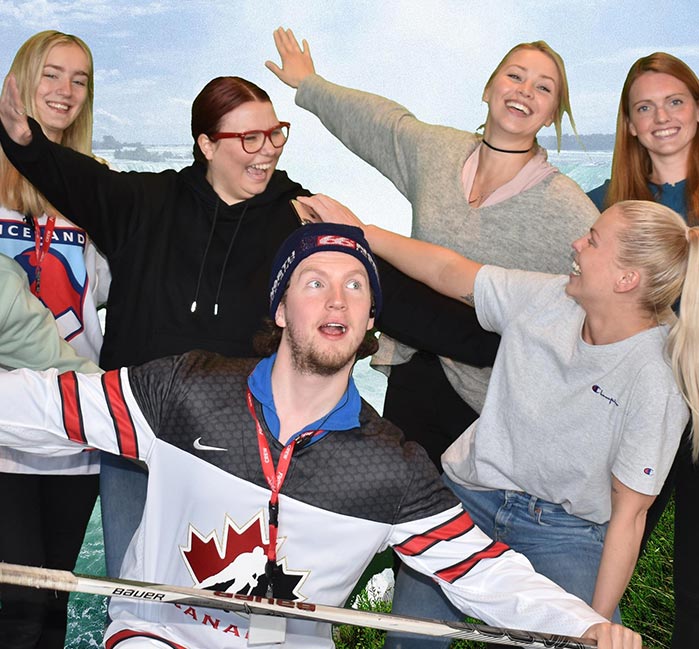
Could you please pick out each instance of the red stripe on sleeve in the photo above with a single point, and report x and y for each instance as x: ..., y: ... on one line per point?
x: 451, y: 574
x: 70, y: 407
x: 123, y: 424
x: 452, y: 528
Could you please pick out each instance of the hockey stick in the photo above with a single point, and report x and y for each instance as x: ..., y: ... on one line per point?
x: 67, y: 581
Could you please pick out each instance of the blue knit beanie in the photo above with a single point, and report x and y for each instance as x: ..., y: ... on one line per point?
x: 321, y: 237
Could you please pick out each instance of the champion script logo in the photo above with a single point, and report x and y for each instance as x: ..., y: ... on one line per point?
x: 203, y: 447
x: 598, y: 390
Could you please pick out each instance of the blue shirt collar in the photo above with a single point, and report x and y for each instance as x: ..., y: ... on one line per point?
x: 344, y: 416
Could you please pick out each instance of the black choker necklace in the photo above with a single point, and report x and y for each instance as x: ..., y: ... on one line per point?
x: 494, y: 148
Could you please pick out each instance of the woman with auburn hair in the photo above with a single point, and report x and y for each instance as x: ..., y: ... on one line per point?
x: 656, y: 152
x: 656, y: 157
x: 585, y: 367
x: 52, y: 498
x: 189, y: 250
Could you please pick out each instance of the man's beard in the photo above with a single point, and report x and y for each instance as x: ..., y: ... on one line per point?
x: 308, y: 360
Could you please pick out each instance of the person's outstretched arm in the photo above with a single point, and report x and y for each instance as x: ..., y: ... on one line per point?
x: 380, y: 131
x: 109, y: 205
x: 418, y: 316
x: 441, y: 269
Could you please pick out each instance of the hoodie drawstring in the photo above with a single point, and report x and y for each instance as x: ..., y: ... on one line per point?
x: 225, y: 259
x: 193, y: 308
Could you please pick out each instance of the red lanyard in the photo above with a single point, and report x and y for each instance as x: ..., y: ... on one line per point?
x: 275, y: 480
x: 41, y: 247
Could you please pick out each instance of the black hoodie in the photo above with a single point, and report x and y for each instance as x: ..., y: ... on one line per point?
x: 153, y: 229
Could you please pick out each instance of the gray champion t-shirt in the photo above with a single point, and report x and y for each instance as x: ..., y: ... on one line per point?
x: 561, y: 416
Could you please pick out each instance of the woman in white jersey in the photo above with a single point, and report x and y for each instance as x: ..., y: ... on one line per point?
x: 53, y: 497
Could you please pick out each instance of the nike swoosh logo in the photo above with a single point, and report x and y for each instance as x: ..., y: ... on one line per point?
x: 203, y: 447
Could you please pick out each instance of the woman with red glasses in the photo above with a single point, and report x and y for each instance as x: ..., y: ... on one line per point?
x: 190, y: 250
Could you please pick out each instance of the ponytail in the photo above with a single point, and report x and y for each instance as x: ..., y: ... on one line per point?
x: 683, y: 342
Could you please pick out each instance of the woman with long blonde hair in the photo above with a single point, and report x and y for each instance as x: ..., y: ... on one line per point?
x: 656, y: 157
x: 494, y: 197
x: 52, y: 498
x: 583, y: 414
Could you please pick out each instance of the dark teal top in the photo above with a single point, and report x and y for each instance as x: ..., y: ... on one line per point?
x: 672, y: 196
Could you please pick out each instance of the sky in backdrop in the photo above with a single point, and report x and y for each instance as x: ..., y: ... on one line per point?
x: 434, y: 56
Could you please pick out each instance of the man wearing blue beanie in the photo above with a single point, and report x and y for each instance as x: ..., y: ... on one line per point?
x: 274, y: 478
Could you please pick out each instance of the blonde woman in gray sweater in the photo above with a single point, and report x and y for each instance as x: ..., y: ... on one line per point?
x: 494, y: 198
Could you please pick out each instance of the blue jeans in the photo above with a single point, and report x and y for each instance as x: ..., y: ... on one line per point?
x: 565, y: 548
x: 123, y: 486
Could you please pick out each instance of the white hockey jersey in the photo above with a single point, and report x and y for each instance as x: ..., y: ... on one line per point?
x: 75, y: 282
x: 346, y: 496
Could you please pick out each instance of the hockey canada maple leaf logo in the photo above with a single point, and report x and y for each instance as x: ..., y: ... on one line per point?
x: 236, y: 564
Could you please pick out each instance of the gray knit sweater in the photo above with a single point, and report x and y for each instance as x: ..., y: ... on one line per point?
x: 530, y: 231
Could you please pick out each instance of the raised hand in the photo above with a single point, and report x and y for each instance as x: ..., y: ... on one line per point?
x: 297, y: 63
x: 13, y: 113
